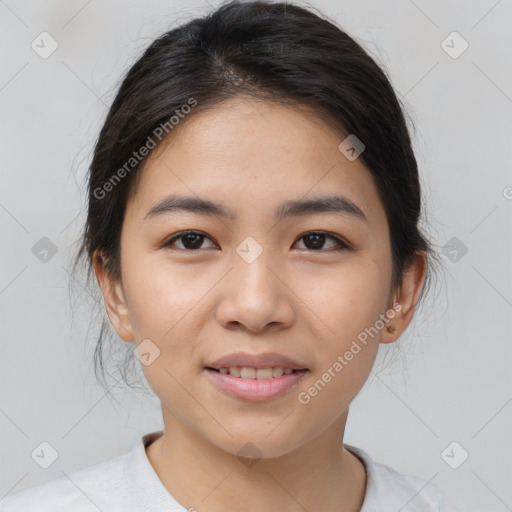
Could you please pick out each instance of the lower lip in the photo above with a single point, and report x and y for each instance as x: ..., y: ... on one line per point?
x: 256, y: 390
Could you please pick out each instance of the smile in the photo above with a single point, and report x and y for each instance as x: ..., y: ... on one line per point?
x: 246, y: 372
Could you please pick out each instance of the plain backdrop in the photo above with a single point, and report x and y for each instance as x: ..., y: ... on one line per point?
x: 446, y: 396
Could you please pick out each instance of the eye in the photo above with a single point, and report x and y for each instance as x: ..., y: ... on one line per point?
x: 316, y: 239
x: 191, y: 240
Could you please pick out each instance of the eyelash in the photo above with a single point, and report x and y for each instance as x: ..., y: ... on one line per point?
x: 342, y: 246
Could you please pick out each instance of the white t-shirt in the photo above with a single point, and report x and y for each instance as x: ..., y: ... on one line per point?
x: 128, y: 483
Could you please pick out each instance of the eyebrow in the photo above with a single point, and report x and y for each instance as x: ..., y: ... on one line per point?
x: 291, y: 208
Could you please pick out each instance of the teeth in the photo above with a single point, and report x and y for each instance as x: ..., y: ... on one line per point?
x: 248, y: 373
x: 234, y: 371
x: 265, y: 373
x: 277, y: 372
x: 256, y: 373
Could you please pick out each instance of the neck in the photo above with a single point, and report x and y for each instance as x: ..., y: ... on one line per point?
x: 319, y: 475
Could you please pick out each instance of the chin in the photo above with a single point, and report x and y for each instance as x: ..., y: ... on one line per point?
x: 256, y: 444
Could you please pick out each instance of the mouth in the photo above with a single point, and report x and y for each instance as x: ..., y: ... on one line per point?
x: 255, y: 384
x: 245, y: 372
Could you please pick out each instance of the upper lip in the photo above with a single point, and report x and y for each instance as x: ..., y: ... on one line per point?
x: 264, y: 360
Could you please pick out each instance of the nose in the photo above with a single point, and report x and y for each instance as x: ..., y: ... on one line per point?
x: 256, y: 296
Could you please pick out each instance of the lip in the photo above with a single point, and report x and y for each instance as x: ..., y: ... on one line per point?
x: 263, y: 360
x: 255, y: 390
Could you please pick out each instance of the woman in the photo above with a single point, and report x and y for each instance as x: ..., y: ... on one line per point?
x: 253, y: 226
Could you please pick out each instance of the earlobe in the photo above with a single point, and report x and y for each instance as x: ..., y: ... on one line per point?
x: 114, y: 298
x: 390, y: 332
x: 407, y: 298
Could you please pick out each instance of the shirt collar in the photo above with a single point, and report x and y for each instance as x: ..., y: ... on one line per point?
x: 149, y: 491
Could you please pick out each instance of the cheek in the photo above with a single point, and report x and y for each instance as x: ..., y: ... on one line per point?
x: 167, y: 306
x: 346, y: 300
x: 162, y: 295
x: 349, y: 305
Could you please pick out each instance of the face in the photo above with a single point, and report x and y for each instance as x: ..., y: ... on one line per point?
x: 305, y: 285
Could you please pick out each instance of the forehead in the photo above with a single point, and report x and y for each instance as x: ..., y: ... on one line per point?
x: 251, y: 155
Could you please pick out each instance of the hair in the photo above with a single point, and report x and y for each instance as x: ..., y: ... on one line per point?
x: 275, y: 52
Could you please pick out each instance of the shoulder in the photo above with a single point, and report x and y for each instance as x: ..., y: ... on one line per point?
x: 388, y: 487
x: 87, y: 489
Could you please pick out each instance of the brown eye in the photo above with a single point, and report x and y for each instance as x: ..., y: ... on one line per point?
x: 190, y: 240
x: 315, y: 240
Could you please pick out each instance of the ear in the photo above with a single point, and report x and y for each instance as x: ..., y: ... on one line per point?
x: 115, y: 300
x: 407, y: 297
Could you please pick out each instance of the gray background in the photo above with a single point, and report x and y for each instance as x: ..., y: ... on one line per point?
x: 452, y: 378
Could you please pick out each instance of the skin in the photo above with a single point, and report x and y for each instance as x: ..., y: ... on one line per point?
x: 302, y: 300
